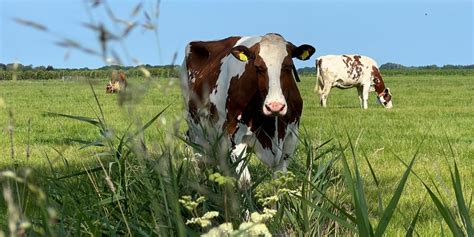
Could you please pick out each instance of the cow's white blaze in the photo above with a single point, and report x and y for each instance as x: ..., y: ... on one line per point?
x: 273, y: 51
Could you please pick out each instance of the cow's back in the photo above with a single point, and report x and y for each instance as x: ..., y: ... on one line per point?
x: 343, y: 62
x: 347, y: 70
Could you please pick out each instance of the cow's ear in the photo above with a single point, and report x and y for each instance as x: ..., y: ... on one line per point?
x: 242, y: 53
x: 304, y: 52
x: 198, y: 49
x: 387, y: 91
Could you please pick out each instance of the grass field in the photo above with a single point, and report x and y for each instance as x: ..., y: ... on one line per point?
x: 432, y: 114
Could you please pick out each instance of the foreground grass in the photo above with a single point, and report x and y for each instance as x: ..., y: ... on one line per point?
x: 29, y: 101
x: 438, y: 108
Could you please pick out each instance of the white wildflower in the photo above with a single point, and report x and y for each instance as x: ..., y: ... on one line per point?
x: 188, y: 202
x: 210, y: 214
x: 224, y: 229
x: 259, y: 218
x: 110, y: 184
x: 221, y: 180
x: 203, y: 221
x: 8, y: 174
x: 268, y: 201
x: 254, y: 229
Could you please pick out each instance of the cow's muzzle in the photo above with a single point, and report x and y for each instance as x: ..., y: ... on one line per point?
x: 274, y: 109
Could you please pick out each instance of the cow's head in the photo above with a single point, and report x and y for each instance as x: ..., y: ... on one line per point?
x: 385, y: 98
x: 272, y: 62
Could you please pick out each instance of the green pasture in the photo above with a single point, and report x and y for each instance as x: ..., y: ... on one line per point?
x: 432, y: 116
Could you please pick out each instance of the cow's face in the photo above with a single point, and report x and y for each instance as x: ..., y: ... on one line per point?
x: 385, y: 98
x: 272, y: 61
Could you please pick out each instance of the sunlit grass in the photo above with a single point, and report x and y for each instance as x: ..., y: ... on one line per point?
x: 435, y: 107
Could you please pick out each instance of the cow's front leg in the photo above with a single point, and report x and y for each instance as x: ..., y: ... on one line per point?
x: 365, y: 96
x: 360, y: 90
x: 239, y: 152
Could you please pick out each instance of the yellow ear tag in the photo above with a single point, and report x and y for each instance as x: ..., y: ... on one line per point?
x: 304, y: 55
x: 243, y: 57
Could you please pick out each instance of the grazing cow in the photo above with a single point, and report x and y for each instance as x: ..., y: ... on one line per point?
x: 244, y: 88
x: 347, y: 71
x: 116, y: 83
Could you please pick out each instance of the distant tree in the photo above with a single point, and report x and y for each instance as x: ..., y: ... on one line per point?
x: 49, y: 68
x: 449, y: 66
x: 28, y: 67
x: 392, y: 66
x: 307, y: 70
x: 433, y: 66
x: 40, y: 68
x: 14, y: 66
x: 3, y: 67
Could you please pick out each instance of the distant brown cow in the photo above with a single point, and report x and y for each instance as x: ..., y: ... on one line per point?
x: 116, y: 83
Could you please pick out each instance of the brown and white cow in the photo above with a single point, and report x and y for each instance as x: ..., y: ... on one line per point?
x: 347, y: 71
x: 244, y: 88
x: 116, y: 83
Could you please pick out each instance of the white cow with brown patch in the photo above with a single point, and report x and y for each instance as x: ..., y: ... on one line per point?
x: 347, y: 71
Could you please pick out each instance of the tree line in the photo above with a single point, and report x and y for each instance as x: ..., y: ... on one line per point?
x: 17, y: 71
x: 393, y: 69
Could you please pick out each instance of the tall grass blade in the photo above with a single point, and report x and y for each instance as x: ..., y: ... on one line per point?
x: 152, y: 120
x: 411, y: 228
x: 86, y: 144
x: 80, y: 173
x: 357, y: 191
x: 377, y: 183
x: 80, y: 118
x: 442, y: 229
x: 387, y: 215
x: 361, y: 205
x: 445, y: 213
x: 326, y: 213
x: 461, y: 203
x: 344, y: 212
x: 362, y: 227
x: 32, y: 24
x: 102, y: 117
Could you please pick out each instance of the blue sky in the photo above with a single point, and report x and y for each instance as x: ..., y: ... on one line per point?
x: 416, y: 32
